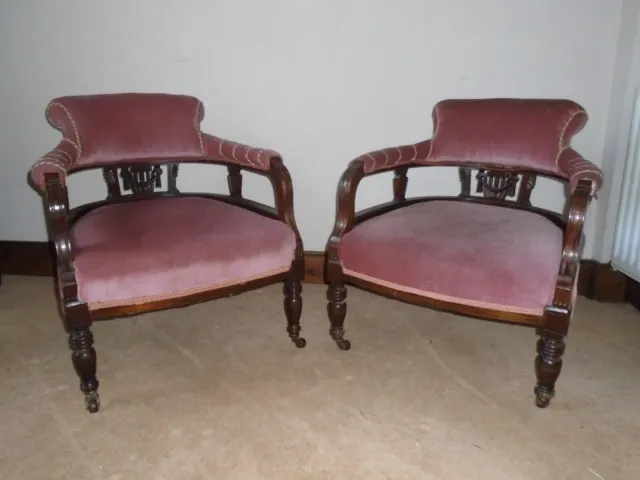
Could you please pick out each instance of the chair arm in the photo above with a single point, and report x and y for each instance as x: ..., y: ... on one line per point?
x: 59, y: 161
x: 227, y: 151
x: 576, y: 168
x: 565, y: 291
x: 283, y: 194
x: 57, y: 213
x: 346, y: 201
x: 393, y: 157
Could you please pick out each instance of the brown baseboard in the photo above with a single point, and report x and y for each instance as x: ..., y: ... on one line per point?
x: 598, y: 281
x: 601, y: 282
x: 632, y: 294
x: 26, y: 258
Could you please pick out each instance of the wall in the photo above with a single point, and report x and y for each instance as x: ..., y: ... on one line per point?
x: 626, y: 81
x: 319, y: 80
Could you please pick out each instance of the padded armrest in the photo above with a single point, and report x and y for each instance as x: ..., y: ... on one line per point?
x: 393, y: 157
x: 232, y: 152
x: 576, y: 168
x: 60, y: 161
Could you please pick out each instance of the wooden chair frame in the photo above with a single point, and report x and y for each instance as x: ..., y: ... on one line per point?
x: 142, y: 179
x: 496, y: 186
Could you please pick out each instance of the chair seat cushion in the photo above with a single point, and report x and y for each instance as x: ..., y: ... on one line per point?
x: 146, y: 250
x: 466, y: 253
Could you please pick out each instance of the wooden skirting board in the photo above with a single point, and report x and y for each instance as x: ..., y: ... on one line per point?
x: 598, y: 281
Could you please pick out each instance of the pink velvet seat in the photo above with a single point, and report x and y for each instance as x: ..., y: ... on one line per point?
x: 137, y: 252
x: 473, y: 254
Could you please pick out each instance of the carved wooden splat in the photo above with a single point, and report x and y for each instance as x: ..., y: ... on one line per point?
x: 496, y: 185
x: 139, y: 179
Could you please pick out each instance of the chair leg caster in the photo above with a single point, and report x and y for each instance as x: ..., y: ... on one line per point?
x: 550, y: 349
x: 543, y: 396
x: 299, y: 342
x: 337, y: 310
x: 92, y: 402
x: 338, y: 336
x: 293, y: 309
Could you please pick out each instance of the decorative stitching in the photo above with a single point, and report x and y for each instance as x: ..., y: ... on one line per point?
x: 436, y: 111
x: 561, y: 146
x: 220, y: 147
x: 260, y: 153
x: 399, y: 161
x: 247, y: 158
x: 385, y: 153
x: 78, y: 144
x: 74, y: 144
x: 59, y: 155
x: 196, y: 124
x: 372, y: 165
x: 58, y: 166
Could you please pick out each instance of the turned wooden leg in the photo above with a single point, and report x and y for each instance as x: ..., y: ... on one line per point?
x: 548, y: 365
x: 293, y: 310
x: 84, y: 361
x: 337, y: 310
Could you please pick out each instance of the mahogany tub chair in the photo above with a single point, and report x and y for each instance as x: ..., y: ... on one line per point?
x: 487, y: 252
x: 144, y: 249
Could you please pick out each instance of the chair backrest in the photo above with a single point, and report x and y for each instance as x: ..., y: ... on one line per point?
x: 505, y: 132
x: 111, y: 128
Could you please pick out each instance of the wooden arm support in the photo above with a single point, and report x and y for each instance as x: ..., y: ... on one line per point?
x: 564, y: 295
x: 57, y: 212
x: 283, y: 193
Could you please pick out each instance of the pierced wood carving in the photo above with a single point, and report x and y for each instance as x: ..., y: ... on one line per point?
x: 496, y: 185
x: 110, y: 176
x: 142, y: 178
x: 139, y: 179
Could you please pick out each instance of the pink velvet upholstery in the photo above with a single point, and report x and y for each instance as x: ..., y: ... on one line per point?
x: 505, y: 132
x: 473, y: 254
x: 125, y: 128
x: 131, y: 253
x: 525, y: 134
x: 144, y: 125
x: 394, y: 157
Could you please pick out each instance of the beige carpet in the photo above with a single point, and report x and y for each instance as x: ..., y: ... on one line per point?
x: 218, y: 391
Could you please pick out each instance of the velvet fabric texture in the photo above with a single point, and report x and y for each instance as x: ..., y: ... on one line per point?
x: 479, y: 255
x: 144, y: 125
x: 524, y: 133
x: 145, y: 250
x: 513, y: 133
x: 117, y: 129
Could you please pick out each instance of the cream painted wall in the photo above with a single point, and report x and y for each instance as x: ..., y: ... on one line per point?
x: 319, y: 80
x: 626, y: 84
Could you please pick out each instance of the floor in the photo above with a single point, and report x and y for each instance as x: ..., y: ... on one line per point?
x: 217, y: 391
